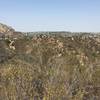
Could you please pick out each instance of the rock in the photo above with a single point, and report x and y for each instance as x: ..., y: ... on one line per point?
x: 6, y: 29
x: 9, y: 32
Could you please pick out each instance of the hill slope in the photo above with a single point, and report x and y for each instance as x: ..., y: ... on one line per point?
x: 49, y: 65
x: 7, y: 31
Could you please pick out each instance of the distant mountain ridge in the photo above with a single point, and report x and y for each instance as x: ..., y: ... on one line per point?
x: 8, y: 31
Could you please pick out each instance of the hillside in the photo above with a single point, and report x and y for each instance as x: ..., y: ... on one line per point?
x: 50, y: 67
x: 9, y: 32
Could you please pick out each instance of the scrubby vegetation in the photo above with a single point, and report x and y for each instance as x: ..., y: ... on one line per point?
x: 50, y: 67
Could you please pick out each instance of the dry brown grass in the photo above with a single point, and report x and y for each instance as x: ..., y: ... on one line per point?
x: 44, y: 75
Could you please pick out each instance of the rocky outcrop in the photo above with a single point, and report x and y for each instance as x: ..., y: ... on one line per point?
x: 6, y: 29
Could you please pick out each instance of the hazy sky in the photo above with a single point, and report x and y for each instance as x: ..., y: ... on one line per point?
x: 51, y: 15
